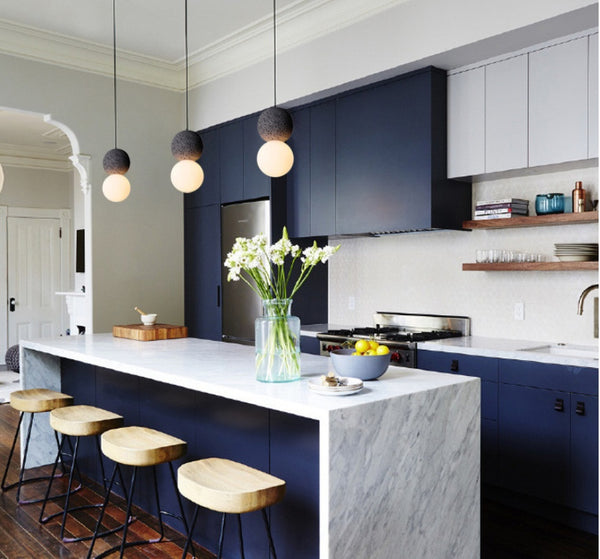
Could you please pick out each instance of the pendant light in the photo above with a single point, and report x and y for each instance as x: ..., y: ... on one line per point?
x: 1, y: 178
x: 275, y: 158
x: 116, y: 162
x: 186, y: 146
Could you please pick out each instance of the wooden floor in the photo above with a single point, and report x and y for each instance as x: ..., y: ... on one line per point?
x: 506, y: 533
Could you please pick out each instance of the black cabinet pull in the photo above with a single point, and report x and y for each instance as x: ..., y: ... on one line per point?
x: 11, y: 304
x: 454, y: 365
x: 218, y: 295
x: 559, y: 404
x: 580, y: 408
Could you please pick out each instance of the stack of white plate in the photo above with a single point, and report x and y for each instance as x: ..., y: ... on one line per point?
x: 576, y: 252
x: 346, y: 386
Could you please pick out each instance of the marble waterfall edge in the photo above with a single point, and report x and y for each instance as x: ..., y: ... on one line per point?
x: 430, y: 495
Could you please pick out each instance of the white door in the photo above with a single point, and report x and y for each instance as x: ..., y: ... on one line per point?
x: 34, y: 272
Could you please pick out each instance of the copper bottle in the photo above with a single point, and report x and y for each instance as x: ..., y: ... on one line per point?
x: 578, y: 198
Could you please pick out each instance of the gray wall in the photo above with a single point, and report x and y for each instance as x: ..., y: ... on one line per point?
x: 137, y: 244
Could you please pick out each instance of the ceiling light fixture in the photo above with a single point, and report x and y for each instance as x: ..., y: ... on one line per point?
x: 275, y: 158
x: 186, y: 146
x: 116, y: 162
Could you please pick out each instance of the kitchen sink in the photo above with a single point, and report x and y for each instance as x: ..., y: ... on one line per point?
x: 566, y: 350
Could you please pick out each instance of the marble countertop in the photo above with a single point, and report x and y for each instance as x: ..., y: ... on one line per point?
x: 227, y: 370
x: 510, y: 349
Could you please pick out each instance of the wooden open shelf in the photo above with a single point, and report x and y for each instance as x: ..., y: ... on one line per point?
x: 533, y: 221
x: 529, y: 266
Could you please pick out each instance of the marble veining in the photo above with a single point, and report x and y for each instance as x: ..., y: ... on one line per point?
x: 428, y: 497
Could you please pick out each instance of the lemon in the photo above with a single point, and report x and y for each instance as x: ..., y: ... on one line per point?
x: 361, y: 346
x: 371, y: 352
x: 383, y: 350
x: 373, y: 344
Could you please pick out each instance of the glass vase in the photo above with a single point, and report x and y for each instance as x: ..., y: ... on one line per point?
x: 277, y: 342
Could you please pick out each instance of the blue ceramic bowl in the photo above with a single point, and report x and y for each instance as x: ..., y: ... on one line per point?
x: 364, y: 367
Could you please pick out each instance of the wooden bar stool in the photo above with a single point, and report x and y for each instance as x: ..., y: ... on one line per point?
x: 32, y: 401
x: 78, y: 421
x: 228, y: 487
x: 137, y: 447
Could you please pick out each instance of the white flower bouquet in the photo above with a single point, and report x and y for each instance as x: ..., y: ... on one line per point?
x: 268, y: 271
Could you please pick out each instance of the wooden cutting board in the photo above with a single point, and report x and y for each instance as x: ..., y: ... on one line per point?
x: 150, y: 333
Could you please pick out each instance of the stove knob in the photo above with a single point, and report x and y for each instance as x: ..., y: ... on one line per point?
x: 396, y: 357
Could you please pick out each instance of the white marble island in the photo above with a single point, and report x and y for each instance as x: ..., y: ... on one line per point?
x: 397, y: 465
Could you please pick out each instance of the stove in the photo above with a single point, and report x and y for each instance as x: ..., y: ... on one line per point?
x: 401, y: 332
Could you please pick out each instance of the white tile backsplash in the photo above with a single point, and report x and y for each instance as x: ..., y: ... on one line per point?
x: 422, y: 272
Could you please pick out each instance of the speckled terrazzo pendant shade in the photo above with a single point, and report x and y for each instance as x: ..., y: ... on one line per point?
x: 275, y: 125
x: 116, y: 162
x: 186, y: 146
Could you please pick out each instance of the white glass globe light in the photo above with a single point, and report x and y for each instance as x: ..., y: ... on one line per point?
x: 275, y: 158
x: 187, y: 176
x: 116, y: 187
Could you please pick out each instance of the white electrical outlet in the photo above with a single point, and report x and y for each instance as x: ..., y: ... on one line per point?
x: 351, y: 303
x: 519, y: 311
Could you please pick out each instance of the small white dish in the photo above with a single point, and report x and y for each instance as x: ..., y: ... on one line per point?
x: 349, y: 386
x: 148, y: 319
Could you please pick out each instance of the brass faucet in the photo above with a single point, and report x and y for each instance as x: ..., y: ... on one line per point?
x: 582, y: 297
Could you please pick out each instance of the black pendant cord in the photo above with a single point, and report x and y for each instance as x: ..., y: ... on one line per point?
x: 274, y: 54
x: 115, y: 69
x: 187, y: 127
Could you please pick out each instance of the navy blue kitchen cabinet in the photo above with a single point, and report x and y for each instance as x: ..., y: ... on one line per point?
x: 391, y: 158
x: 583, y: 483
x: 310, y: 344
x: 256, y: 183
x: 202, y: 271
x: 231, y: 161
x: 533, y: 441
x: 548, y: 432
x: 322, y: 168
x: 486, y: 369
x: 311, y: 182
x: 210, y: 191
x: 298, y: 179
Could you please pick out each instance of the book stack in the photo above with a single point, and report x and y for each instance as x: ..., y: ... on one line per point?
x: 499, y: 209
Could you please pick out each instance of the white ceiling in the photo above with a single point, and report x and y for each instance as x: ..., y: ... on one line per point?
x: 223, y: 35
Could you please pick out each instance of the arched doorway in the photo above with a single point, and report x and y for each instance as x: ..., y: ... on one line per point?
x: 34, y: 150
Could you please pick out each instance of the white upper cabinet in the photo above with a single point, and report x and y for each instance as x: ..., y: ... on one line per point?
x: 506, y: 114
x: 558, y: 92
x: 593, y: 97
x: 537, y: 107
x: 466, y: 123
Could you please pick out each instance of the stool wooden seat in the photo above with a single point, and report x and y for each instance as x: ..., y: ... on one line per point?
x: 228, y: 487
x: 84, y: 421
x: 78, y: 421
x: 32, y: 401
x: 139, y: 447
x: 37, y: 400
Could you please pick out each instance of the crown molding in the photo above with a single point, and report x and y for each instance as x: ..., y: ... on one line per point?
x: 31, y: 158
x: 298, y: 23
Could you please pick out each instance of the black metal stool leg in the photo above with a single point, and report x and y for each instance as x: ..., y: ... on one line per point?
x: 239, y: 518
x: 190, y: 532
x: 43, y: 519
x: 268, y: 527
x: 221, y: 536
x: 101, y: 515
x: 10, y: 455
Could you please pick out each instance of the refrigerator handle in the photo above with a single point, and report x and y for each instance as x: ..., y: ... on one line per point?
x: 218, y: 295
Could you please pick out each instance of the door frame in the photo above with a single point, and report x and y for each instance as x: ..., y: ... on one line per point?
x: 64, y: 215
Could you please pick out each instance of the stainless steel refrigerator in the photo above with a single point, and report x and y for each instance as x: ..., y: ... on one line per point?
x: 240, y: 305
